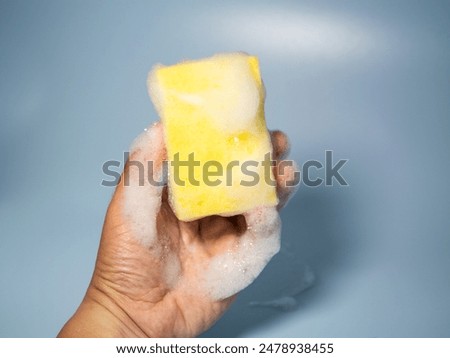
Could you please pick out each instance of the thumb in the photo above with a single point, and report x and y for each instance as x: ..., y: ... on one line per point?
x: 142, y: 182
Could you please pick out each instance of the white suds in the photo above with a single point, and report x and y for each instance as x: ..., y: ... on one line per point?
x: 233, y: 106
x: 232, y: 101
x: 234, y: 270
x: 172, y: 269
x: 190, y: 98
x: 142, y: 200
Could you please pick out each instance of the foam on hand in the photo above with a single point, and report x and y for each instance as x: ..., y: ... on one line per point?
x: 214, y: 108
x: 142, y: 200
x: 232, y: 271
x: 222, y: 275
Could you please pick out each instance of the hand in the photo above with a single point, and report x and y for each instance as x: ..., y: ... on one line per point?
x: 150, y: 266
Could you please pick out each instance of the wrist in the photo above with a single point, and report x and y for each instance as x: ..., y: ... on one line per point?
x: 99, y: 316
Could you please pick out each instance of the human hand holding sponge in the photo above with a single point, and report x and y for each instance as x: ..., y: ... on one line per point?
x: 172, y: 258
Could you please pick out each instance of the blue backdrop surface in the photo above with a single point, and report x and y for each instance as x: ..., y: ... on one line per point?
x: 369, y: 80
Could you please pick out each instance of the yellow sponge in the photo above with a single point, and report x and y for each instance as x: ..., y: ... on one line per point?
x: 217, y: 142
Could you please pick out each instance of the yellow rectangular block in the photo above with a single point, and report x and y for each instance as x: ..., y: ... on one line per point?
x: 217, y: 142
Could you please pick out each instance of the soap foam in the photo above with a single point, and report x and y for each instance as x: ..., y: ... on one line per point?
x: 234, y: 270
x: 172, y: 269
x: 142, y: 200
x: 234, y: 105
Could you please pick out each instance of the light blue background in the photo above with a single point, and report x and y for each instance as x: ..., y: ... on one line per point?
x: 368, y: 80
